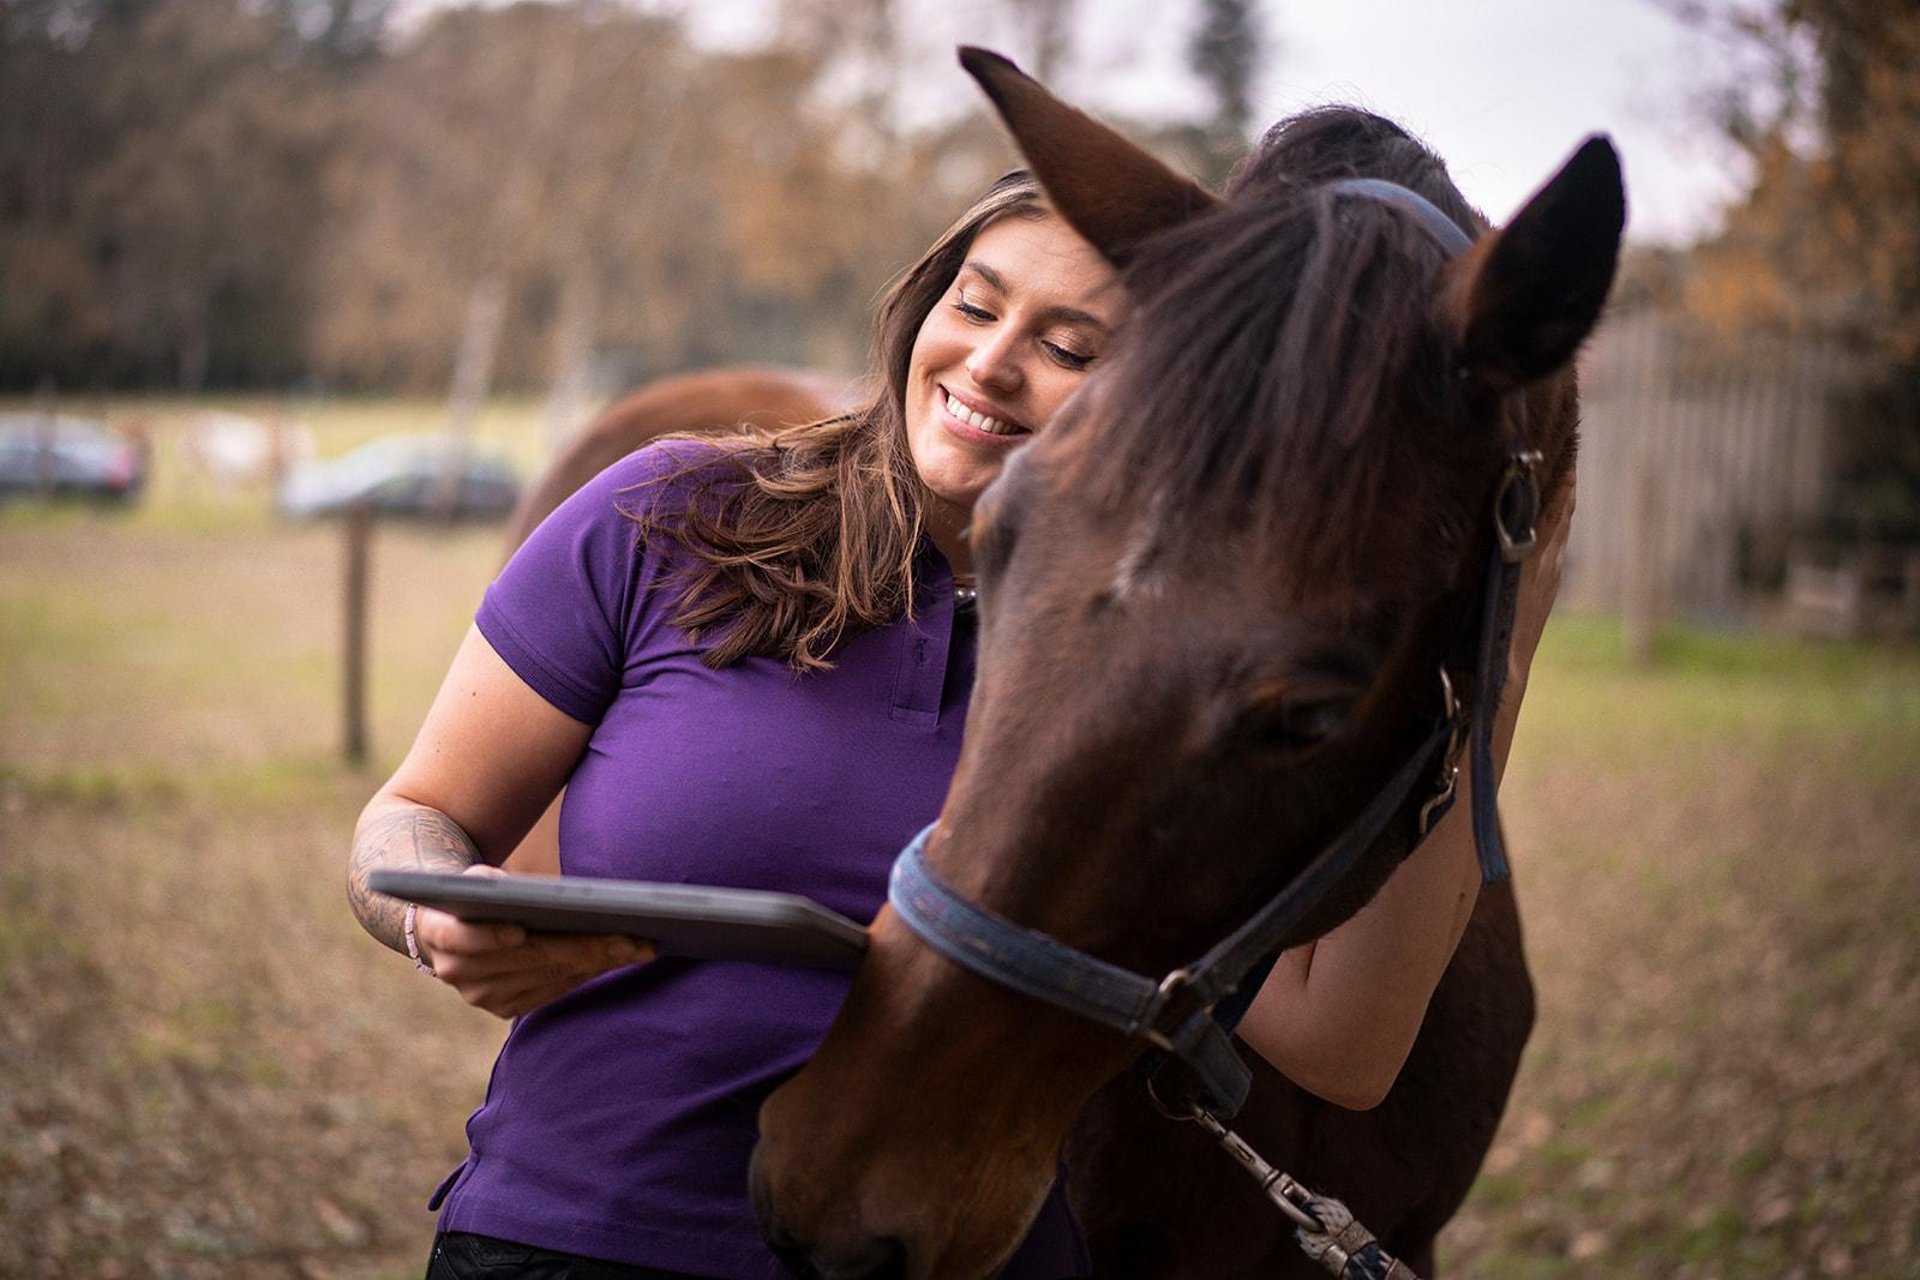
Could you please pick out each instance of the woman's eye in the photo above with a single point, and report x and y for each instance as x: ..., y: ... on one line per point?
x: 970, y: 311
x: 1068, y: 356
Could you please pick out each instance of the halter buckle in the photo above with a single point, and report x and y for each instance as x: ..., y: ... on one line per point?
x: 1516, y: 506
x: 1437, y: 804
x: 1168, y: 1032
x: 1442, y: 799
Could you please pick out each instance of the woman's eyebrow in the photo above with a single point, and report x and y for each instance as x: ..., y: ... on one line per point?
x: 985, y: 272
x: 998, y: 283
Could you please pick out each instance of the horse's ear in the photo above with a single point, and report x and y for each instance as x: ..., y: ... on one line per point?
x: 1523, y: 299
x: 1113, y: 192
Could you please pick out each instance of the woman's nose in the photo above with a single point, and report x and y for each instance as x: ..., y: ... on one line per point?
x: 995, y: 363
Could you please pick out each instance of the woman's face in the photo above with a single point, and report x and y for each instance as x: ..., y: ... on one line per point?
x: 1028, y: 314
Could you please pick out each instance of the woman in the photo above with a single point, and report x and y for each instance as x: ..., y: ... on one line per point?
x: 711, y: 647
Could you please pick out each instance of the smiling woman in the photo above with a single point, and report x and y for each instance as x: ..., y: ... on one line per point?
x: 765, y: 688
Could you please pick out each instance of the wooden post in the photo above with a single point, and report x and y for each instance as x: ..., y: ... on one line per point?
x: 1641, y: 598
x: 358, y: 528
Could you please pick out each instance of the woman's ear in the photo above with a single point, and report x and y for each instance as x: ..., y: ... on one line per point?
x: 1521, y: 301
x: 1113, y: 192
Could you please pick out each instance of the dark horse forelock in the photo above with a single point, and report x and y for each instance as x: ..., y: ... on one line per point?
x: 1275, y: 346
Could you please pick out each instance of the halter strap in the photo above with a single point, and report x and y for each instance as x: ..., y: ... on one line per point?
x: 1516, y: 508
x: 1175, y: 1013
x: 1438, y: 225
x: 1516, y: 513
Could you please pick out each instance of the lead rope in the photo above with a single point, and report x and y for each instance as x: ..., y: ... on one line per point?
x: 1323, y: 1227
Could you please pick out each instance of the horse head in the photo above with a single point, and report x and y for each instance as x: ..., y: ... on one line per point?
x: 1217, y: 594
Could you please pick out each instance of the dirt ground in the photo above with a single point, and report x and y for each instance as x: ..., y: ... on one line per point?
x: 206, y: 1071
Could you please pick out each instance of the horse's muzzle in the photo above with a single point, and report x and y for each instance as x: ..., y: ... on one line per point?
x: 870, y: 1259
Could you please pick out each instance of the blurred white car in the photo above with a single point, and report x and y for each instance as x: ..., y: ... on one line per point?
x: 61, y: 457
x: 405, y: 476
x: 232, y: 452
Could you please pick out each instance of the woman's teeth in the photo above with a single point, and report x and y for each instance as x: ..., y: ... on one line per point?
x: 980, y: 421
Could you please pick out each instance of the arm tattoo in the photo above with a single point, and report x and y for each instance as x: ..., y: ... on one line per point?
x: 414, y: 838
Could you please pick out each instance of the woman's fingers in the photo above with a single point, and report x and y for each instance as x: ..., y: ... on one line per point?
x: 511, y: 995
x: 494, y: 970
x: 1556, y: 512
x: 507, y: 970
x: 443, y: 935
x: 513, y: 992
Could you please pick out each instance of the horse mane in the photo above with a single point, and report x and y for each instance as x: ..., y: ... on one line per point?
x: 1273, y: 342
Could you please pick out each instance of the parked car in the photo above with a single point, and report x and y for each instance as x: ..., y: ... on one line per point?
x: 404, y: 476
x: 56, y: 456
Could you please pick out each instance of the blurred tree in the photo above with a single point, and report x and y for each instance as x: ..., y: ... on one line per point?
x: 1048, y: 31
x: 444, y: 187
x: 249, y: 191
x: 54, y: 317
x: 1831, y: 128
x: 203, y: 214
x: 339, y: 31
x: 159, y: 174
x: 864, y: 58
x: 1828, y: 237
x: 1226, y: 51
x: 634, y: 193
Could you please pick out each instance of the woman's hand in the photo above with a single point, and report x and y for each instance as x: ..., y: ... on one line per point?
x: 508, y: 971
x: 1539, y: 585
x: 1540, y: 577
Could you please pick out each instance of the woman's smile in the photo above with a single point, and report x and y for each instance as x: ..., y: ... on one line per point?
x: 971, y: 419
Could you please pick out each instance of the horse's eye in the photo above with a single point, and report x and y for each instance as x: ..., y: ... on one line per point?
x: 1296, y: 723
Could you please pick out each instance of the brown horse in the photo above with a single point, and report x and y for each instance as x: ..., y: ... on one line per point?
x: 1215, y: 595
x: 710, y: 400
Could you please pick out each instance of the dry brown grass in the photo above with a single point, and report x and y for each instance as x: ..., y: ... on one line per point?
x: 1723, y: 906
x: 205, y: 1070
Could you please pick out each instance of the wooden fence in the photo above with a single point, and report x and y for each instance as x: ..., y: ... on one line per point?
x: 1700, y: 464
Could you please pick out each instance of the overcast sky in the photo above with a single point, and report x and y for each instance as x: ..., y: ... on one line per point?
x: 1504, y: 89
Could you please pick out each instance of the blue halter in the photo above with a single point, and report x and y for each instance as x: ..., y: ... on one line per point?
x: 1190, y: 1014
x: 1175, y: 1014
x: 1443, y: 229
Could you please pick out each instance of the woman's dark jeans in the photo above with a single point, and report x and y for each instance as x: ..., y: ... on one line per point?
x: 458, y: 1255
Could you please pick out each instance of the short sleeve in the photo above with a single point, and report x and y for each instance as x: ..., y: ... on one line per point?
x: 569, y: 610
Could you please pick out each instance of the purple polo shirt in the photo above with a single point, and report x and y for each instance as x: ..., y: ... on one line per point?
x: 619, y: 1119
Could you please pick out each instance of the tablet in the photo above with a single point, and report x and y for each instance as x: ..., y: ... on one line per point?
x: 681, y: 920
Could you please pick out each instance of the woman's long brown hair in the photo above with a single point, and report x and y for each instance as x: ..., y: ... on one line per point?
x: 810, y: 534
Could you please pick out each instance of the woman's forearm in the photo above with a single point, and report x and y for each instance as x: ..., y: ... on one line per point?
x: 400, y: 835
x: 1339, y: 1016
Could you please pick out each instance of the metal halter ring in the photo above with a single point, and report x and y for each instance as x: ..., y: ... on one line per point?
x: 1519, y: 487
x: 1162, y: 1010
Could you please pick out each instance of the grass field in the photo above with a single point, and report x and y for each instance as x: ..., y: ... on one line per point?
x: 205, y: 1070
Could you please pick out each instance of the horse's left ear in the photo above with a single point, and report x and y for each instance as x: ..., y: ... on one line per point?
x: 1522, y: 300
x: 1112, y: 191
